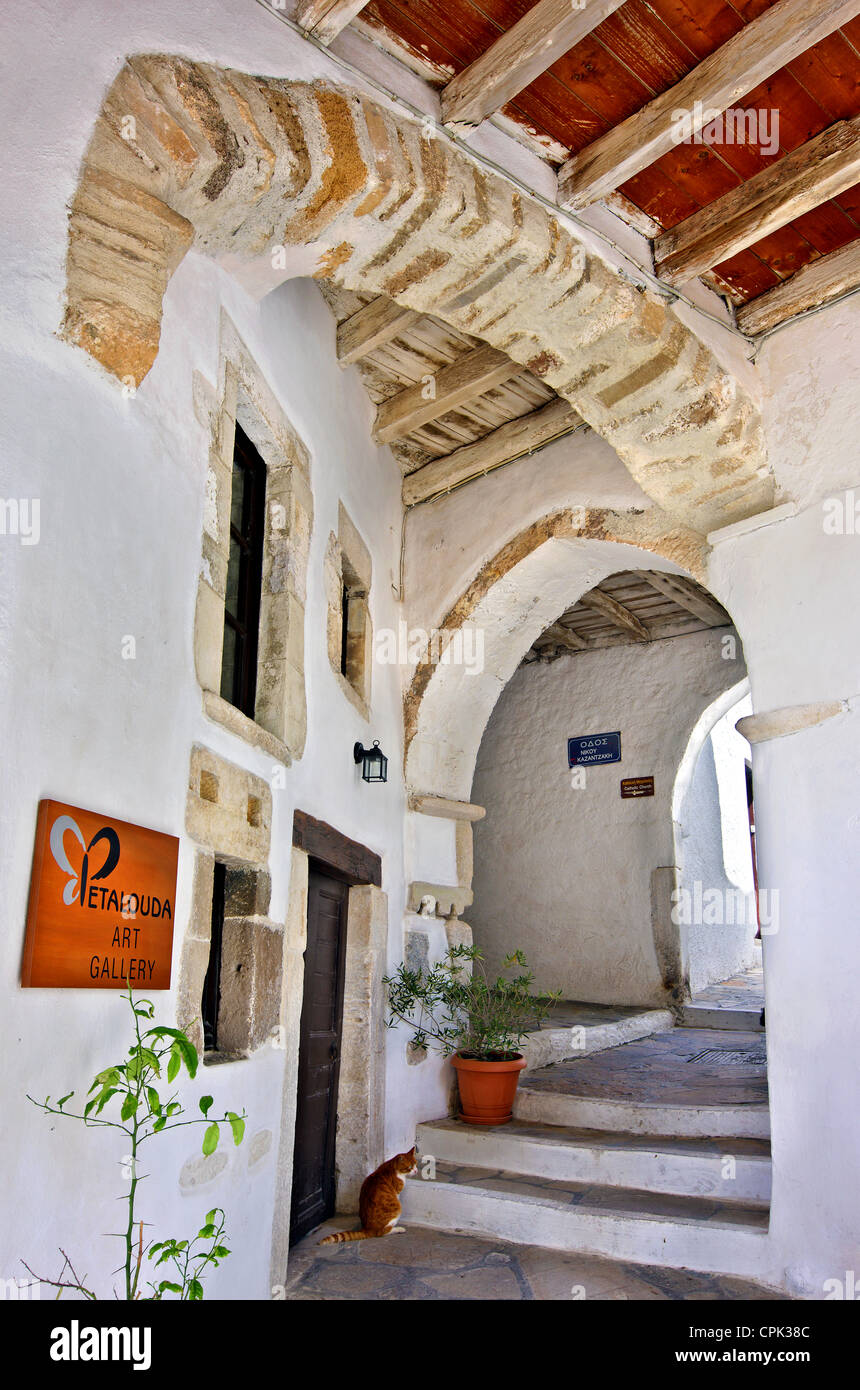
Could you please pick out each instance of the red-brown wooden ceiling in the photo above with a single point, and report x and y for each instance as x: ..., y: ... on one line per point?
x: 638, y: 52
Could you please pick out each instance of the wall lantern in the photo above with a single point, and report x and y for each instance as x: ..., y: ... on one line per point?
x: 374, y: 764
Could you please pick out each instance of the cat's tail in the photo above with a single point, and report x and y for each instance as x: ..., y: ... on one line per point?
x: 347, y: 1235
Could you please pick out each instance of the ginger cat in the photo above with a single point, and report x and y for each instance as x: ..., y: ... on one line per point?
x: 379, y: 1200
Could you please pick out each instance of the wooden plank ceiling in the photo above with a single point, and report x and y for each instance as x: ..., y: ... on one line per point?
x: 596, y: 85
x: 634, y: 606
x: 449, y: 406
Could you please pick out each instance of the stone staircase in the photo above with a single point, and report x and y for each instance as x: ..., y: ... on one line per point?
x: 656, y: 1151
x: 737, y: 1003
x: 578, y: 1030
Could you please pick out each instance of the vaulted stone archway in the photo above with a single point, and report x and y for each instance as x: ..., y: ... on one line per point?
x: 300, y: 178
x: 512, y: 599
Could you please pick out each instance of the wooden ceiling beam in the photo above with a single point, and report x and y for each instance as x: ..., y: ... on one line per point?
x: 370, y: 327
x: 816, y: 284
x: 550, y: 29
x: 616, y: 613
x: 822, y: 168
x: 324, y: 19
x: 681, y: 591
x: 507, y: 442
x: 563, y: 636
x: 469, y: 376
x: 757, y: 51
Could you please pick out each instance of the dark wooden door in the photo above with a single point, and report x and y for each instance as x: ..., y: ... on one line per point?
x: 319, y: 1054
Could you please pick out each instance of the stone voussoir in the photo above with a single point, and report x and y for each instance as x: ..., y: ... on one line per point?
x: 247, y: 164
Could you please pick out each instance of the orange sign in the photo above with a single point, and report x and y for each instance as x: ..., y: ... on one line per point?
x: 102, y: 903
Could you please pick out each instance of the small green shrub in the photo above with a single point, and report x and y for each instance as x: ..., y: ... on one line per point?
x: 125, y: 1097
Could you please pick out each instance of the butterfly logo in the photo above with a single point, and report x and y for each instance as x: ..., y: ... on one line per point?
x: 58, y: 831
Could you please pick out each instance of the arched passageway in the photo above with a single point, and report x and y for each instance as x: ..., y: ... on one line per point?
x: 578, y: 770
x: 716, y: 908
x: 588, y: 641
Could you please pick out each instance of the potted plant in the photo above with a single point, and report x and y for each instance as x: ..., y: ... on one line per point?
x: 478, y: 1023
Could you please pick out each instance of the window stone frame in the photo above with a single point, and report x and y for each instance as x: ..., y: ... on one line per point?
x: 279, y: 725
x: 229, y: 816
x: 348, y: 563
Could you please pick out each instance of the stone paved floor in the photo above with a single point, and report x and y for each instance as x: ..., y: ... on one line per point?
x: 662, y: 1070
x: 428, y: 1264
x: 740, y: 992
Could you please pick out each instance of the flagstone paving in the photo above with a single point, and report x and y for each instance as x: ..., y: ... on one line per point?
x: 429, y: 1264
x: 664, y: 1069
x: 744, y: 991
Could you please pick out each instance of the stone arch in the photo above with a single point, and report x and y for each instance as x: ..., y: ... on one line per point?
x: 694, y: 961
x: 512, y: 599
x: 305, y: 178
x: 710, y: 716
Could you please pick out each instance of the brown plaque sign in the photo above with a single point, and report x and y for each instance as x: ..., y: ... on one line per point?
x: 102, y: 903
x: 637, y: 786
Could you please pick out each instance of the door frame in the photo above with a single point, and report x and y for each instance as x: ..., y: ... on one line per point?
x: 361, y: 1084
x: 321, y: 870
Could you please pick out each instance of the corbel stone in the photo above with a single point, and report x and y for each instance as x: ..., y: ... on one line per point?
x: 450, y: 901
x: 445, y: 808
x: 779, y: 723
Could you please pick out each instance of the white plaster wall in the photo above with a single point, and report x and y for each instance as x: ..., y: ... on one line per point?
x: 120, y: 484
x: 810, y: 372
x: 566, y: 873
x: 713, y: 843
x: 794, y: 590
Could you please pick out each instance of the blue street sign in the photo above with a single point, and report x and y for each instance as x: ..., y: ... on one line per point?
x: 594, y: 748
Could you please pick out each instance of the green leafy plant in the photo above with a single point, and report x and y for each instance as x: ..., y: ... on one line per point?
x: 453, y: 1010
x: 125, y: 1097
x: 189, y: 1262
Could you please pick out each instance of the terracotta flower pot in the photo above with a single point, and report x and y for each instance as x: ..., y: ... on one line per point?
x: 487, y: 1089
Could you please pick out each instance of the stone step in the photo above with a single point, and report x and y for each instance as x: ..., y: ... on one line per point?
x: 578, y: 1030
x: 706, y: 1016
x: 687, y: 1083
x: 697, y: 1233
x: 742, y: 1121
x: 682, y: 1167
